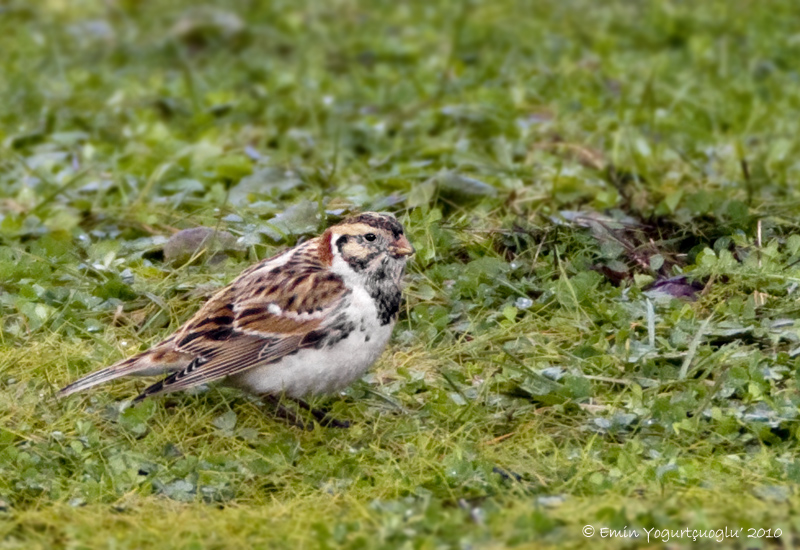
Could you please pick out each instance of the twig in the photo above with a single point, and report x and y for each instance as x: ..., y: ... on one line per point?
x: 758, y: 242
x: 498, y: 439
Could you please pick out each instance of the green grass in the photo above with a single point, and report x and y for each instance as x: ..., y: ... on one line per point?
x: 534, y: 385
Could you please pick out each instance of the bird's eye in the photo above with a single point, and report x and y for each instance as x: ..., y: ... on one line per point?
x: 370, y: 237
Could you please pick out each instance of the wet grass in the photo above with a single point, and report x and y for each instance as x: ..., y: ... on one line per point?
x: 600, y: 324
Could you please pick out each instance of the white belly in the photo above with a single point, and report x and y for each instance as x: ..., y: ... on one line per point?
x: 328, y: 369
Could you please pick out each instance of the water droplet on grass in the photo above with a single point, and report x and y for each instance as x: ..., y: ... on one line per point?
x: 523, y: 303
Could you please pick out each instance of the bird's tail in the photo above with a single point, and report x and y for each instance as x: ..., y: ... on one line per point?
x: 161, y: 359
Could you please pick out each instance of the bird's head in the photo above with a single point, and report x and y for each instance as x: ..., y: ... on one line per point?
x: 368, y: 244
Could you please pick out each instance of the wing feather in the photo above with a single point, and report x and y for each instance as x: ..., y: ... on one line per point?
x: 262, y: 317
x: 246, y: 354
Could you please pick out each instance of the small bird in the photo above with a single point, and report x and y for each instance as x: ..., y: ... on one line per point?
x: 307, y: 321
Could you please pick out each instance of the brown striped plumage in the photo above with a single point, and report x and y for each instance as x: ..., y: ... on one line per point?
x: 314, y: 297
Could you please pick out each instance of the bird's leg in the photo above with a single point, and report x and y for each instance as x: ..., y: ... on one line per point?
x: 281, y: 411
x: 322, y: 416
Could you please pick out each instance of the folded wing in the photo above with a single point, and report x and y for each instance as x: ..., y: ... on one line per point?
x: 256, y: 321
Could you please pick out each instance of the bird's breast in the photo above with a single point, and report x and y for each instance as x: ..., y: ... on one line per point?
x: 354, y: 341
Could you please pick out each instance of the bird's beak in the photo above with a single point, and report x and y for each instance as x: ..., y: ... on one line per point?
x: 402, y: 247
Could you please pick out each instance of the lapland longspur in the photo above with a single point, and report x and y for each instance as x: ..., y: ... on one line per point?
x: 309, y: 320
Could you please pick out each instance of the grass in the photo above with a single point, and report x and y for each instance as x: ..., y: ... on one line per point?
x: 566, y: 170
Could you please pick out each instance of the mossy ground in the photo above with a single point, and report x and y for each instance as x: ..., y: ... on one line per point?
x: 537, y: 383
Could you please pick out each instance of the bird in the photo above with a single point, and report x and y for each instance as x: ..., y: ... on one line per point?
x: 307, y: 321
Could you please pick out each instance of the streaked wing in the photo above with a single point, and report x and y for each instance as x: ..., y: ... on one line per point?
x: 241, y: 354
x: 259, y: 319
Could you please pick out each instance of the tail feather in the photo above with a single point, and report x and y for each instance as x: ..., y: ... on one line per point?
x: 155, y: 361
x: 163, y: 385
